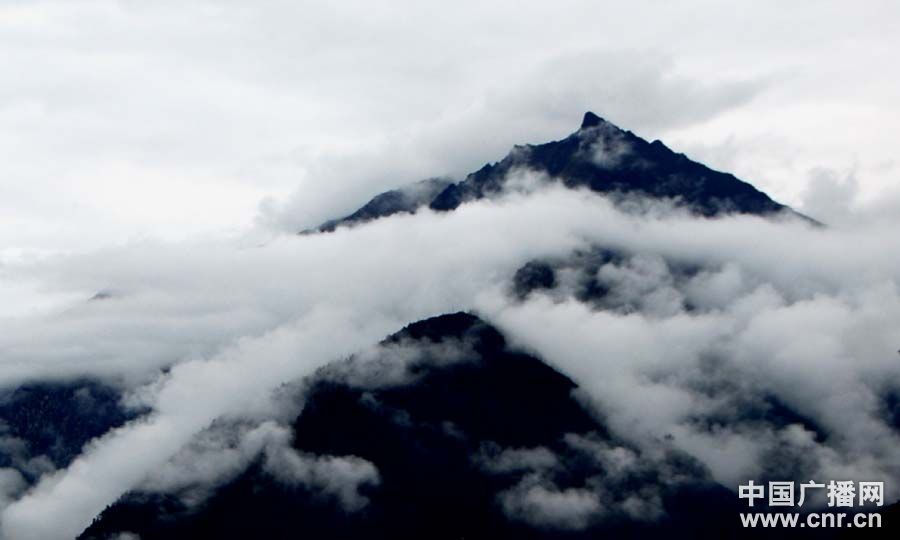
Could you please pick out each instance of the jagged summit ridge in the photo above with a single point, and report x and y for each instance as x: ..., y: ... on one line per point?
x: 599, y: 156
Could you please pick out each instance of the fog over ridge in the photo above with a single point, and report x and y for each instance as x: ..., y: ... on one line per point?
x: 809, y: 315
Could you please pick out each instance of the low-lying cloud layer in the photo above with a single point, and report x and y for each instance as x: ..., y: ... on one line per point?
x: 288, y: 308
x: 775, y: 312
x: 775, y: 315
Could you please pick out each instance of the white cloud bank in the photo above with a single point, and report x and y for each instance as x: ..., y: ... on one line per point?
x: 808, y: 316
x: 287, y: 308
x: 811, y: 316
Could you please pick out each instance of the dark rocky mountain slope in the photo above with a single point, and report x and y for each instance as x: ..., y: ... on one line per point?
x: 599, y: 156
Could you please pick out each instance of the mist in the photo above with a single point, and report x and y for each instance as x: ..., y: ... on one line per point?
x: 207, y: 332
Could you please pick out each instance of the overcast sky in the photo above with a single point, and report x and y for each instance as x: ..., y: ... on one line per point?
x: 123, y: 120
x: 146, y: 136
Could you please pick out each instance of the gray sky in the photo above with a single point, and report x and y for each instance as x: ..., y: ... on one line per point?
x: 125, y: 120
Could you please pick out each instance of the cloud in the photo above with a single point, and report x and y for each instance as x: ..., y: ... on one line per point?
x: 130, y: 120
x: 792, y: 323
x: 837, y: 198
x: 546, y: 506
x: 396, y: 363
x: 587, y: 481
x: 829, y: 197
x: 11, y: 486
x: 498, y: 460
x: 168, y: 119
x: 212, y: 457
x: 782, y: 318
x: 126, y: 536
x: 153, y: 123
x: 16, y: 452
x: 218, y: 454
x: 231, y: 325
x: 338, y: 476
x: 543, y: 102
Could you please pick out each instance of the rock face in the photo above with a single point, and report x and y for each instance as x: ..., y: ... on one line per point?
x: 599, y: 156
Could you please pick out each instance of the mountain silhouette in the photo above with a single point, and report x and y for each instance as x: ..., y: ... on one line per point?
x: 598, y: 156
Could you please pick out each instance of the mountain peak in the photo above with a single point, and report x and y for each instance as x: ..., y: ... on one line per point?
x: 591, y: 120
x: 600, y: 157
